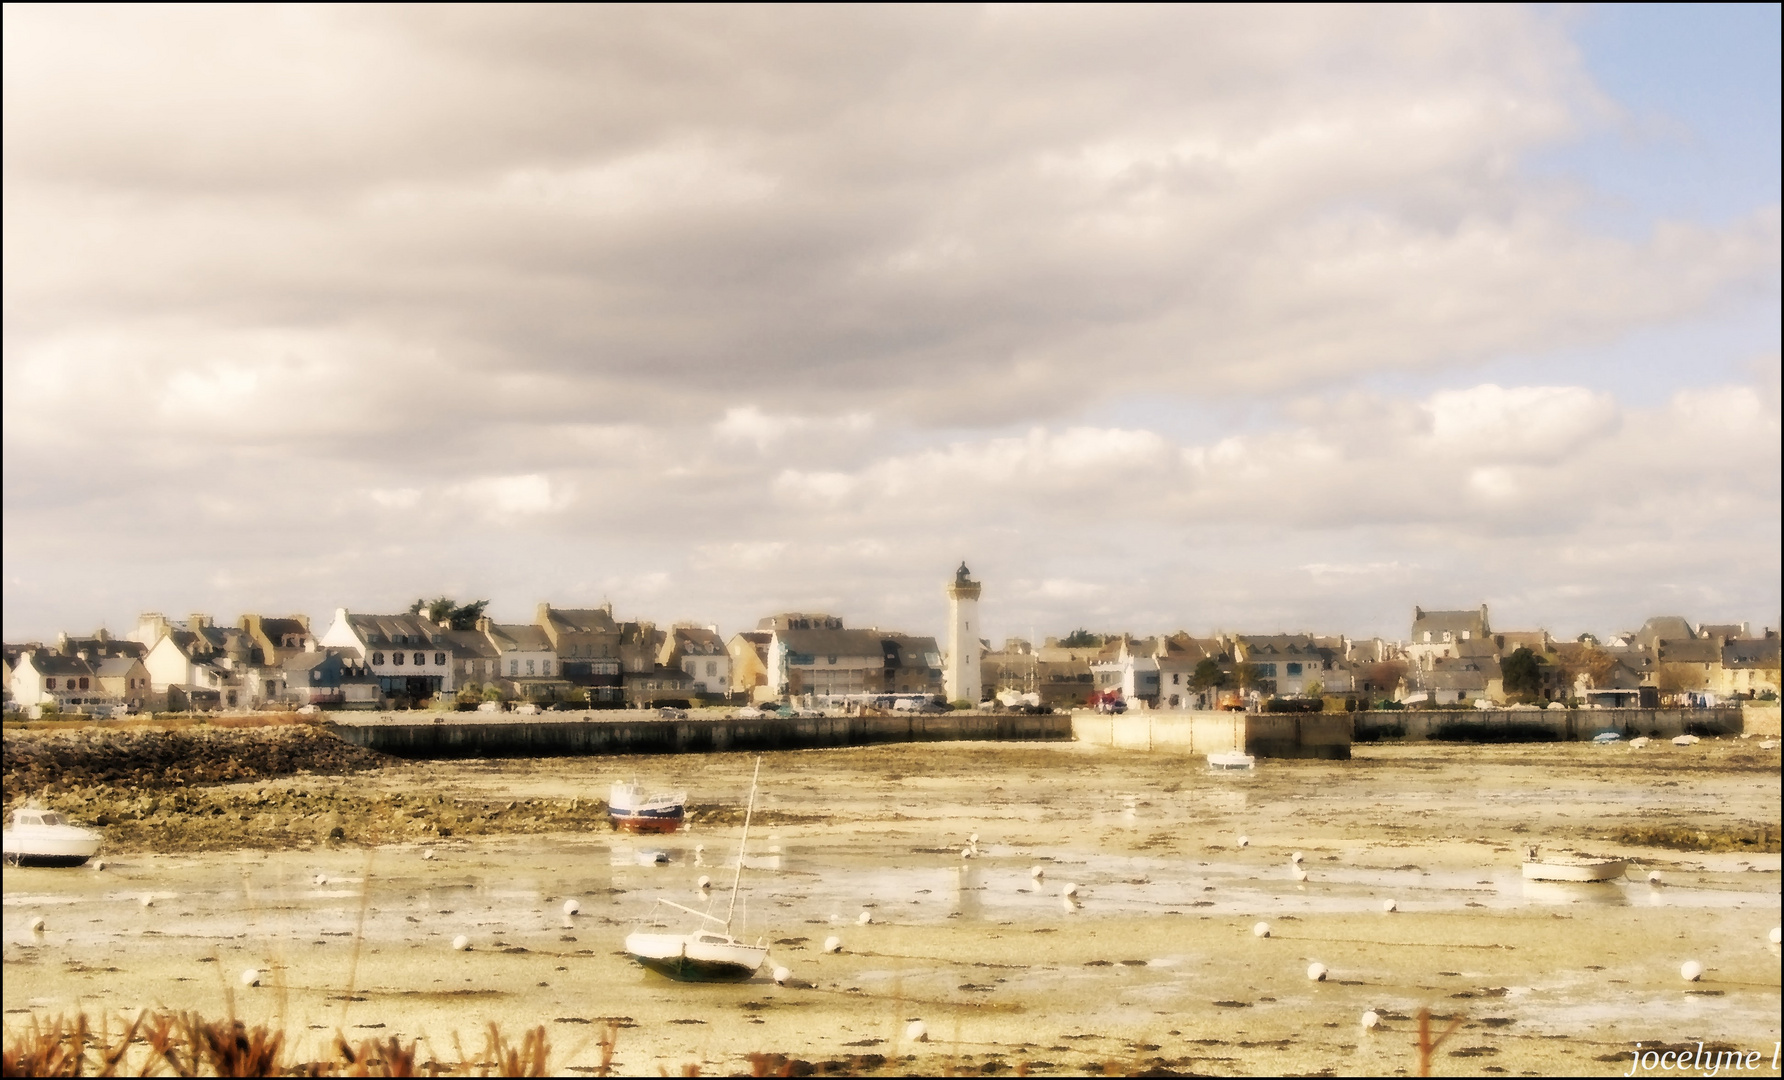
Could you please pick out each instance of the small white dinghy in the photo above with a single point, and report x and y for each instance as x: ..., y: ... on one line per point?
x: 43, y: 838
x: 1231, y: 761
x: 1571, y: 868
x: 707, y: 954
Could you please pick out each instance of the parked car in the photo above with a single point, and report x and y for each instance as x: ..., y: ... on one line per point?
x: 490, y: 706
x: 307, y: 710
x: 669, y: 712
x: 527, y: 708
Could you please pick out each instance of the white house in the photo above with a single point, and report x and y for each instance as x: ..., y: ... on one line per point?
x: 404, y: 654
x: 701, y: 654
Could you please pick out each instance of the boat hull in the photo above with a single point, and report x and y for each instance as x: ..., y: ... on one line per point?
x: 1585, y: 870
x: 648, y: 822
x: 684, y: 958
x: 1231, y: 762
x: 51, y: 850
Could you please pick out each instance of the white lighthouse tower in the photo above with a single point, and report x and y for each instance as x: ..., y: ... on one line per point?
x: 962, y: 680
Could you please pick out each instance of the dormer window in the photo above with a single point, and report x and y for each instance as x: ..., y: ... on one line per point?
x: 1465, y: 634
x: 1427, y: 637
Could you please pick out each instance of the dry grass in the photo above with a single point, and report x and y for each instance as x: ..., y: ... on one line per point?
x: 185, y: 1044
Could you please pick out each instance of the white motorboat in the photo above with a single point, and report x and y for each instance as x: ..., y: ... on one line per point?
x: 1572, y: 868
x: 43, y: 838
x: 709, y: 954
x: 1232, y: 760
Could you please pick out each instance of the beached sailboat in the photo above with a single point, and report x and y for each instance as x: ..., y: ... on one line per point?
x: 710, y: 953
x: 1537, y: 867
x: 1231, y: 761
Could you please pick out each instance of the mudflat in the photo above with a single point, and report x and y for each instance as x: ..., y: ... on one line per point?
x: 1152, y: 964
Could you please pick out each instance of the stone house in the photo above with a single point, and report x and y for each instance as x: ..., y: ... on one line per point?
x: 701, y: 654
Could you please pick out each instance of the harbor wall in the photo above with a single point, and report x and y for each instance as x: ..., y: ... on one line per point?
x: 448, y: 737
x: 1538, y: 725
x: 1273, y: 735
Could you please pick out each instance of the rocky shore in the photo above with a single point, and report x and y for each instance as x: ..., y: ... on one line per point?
x: 205, y: 788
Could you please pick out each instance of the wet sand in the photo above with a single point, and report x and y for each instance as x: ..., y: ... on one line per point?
x: 1156, y: 966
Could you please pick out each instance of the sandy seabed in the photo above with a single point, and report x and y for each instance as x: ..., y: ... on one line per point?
x: 1155, y: 966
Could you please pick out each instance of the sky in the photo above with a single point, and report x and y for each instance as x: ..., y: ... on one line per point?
x: 1207, y: 318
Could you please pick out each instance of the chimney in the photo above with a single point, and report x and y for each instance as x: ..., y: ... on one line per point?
x: 309, y: 644
x: 542, y: 616
x: 61, y: 641
x: 197, y: 621
x: 102, y: 634
x: 483, y: 624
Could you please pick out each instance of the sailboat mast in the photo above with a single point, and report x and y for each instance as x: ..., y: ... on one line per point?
x: 743, y: 845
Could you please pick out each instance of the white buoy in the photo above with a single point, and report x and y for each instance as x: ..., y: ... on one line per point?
x: 1654, y: 877
x: 99, y: 864
x: 427, y: 853
x: 319, y: 880
x: 781, y: 975
x: 250, y: 977
x: 699, y: 854
x: 833, y: 944
x: 1371, y: 1020
x: 1316, y: 972
x: 1069, y: 889
x: 1245, y: 841
x: 1037, y: 872
x: 1300, y: 874
x: 37, y: 924
x: 973, y: 839
x: 461, y: 943
x: 571, y: 907
x: 966, y: 853
x: 147, y: 900
x: 1775, y: 936
x: 1296, y: 858
x: 704, y: 883
x: 1389, y: 905
x: 866, y: 917
x: 916, y: 1031
x: 1261, y: 930
x: 1691, y: 971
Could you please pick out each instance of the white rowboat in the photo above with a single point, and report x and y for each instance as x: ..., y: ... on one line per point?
x: 1232, y: 760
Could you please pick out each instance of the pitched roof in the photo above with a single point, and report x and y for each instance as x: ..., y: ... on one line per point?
x: 698, y: 640
x: 1751, y: 653
x: 471, y: 645
x: 1689, y: 651
x: 1437, y: 623
x: 394, y: 629
x: 584, y: 620
x: 116, y: 665
x: 1664, y: 628
x: 519, y: 637
x: 54, y: 663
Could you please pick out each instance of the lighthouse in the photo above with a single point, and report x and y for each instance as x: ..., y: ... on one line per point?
x: 962, y: 680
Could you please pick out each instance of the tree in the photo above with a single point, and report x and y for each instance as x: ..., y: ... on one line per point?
x: 1207, y: 674
x: 1082, y: 639
x: 1594, y: 663
x: 443, y: 609
x: 1522, y: 673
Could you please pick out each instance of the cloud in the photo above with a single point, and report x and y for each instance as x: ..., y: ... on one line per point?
x: 734, y: 308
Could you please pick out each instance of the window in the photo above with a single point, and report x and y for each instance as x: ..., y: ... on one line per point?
x: 378, y: 659
x: 1294, y: 669
x: 420, y: 659
x: 545, y: 667
x: 711, y: 668
x: 529, y: 667
x: 833, y: 659
x: 396, y: 658
x: 439, y: 659
x: 514, y: 667
x: 84, y: 681
x: 49, y: 683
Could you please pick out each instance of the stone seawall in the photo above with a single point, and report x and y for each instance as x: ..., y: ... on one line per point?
x: 1538, y: 725
x: 448, y: 737
x: 1273, y: 735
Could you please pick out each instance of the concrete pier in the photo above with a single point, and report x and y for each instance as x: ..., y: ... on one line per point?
x: 1539, y: 725
x: 577, y: 734
x: 1271, y: 735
